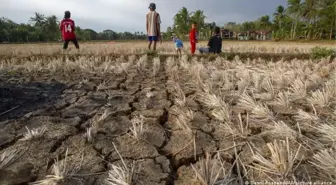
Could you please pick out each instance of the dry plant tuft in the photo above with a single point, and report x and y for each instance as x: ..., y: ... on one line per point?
x: 281, y: 162
x: 282, y: 101
x: 282, y: 129
x: 183, y: 120
x: 326, y: 163
x: 169, y: 64
x: 120, y: 175
x: 298, y: 90
x: 142, y: 63
x: 259, y: 112
x: 327, y: 134
x: 211, y: 101
x: 138, y: 130
x: 60, y: 171
x: 88, y: 135
x: 302, y: 116
x: 211, y: 171
x: 268, y: 86
x: 156, y: 66
x: 33, y: 134
x: 320, y: 99
x: 180, y: 98
x: 330, y: 87
x: 8, y: 157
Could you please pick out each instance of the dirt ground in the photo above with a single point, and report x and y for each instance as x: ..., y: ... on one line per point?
x: 67, y: 96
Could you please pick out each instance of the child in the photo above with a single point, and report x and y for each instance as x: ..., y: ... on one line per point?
x: 178, y: 45
x: 67, y: 27
x: 193, y: 37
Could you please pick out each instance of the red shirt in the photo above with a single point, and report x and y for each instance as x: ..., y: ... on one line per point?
x: 68, y: 29
x: 193, y: 35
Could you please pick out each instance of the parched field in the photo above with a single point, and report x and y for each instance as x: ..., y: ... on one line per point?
x: 110, y: 114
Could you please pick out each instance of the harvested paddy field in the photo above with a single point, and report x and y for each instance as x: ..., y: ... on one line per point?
x: 125, y: 117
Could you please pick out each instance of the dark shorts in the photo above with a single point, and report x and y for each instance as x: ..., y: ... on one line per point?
x: 152, y: 38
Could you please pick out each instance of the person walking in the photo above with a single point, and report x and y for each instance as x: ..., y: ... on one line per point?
x: 153, y: 22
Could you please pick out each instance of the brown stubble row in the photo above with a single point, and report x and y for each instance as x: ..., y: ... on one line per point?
x: 107, y: 48
x: 289, y: 105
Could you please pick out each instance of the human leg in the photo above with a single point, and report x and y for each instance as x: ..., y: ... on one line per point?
x: 65, y: 45
x: 75, y: 42
x: 155, y: 39
x: 150, y: 41
x: 193, y: 48
x: 203, y: 50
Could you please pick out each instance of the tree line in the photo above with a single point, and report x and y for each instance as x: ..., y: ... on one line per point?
x: 43, y: 28
x: 302, y: 19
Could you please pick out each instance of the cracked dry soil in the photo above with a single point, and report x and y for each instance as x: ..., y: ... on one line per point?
x: 66, y: 106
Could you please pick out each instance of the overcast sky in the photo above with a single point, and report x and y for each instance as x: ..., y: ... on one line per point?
x: 129, y: 15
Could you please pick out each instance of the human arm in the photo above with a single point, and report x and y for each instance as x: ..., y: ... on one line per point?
x: 147, y: 23
x: 60, y: 26
x: 73, y: 26
x: 196, y: 36
x: 210, y: 42
x: 220, y: 45
x: 158, y: 22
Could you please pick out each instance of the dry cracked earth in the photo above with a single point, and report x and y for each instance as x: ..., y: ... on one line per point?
x: 68, y: 103
x: 66, y: 109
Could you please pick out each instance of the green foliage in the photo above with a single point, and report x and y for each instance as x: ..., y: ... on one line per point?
x: 322, y: 52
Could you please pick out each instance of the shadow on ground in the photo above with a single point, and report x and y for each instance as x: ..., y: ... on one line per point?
x: 18, y: 99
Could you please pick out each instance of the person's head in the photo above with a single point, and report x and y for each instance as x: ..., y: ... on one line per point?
x: 67, y: 14
x: 217, y: 30
x: 193, y: 25
x: 152, y: 7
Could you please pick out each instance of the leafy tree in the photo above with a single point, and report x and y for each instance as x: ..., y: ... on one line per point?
x: 181, y: 22
x: 295, y: 10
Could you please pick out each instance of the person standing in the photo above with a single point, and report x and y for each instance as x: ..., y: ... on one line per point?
x: 193, y: 37
x: 67, y: 28
x: 153, y: 22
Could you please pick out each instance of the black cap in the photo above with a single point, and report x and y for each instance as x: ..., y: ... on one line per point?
x: 152, y: 6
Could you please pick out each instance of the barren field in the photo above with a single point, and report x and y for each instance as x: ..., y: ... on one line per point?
x: 110, y: 114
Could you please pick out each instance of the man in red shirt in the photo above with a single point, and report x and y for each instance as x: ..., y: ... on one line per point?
x: 193, y: 37
x: 67, y: 27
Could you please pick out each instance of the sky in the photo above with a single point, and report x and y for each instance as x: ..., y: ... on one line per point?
x: 129, y: 15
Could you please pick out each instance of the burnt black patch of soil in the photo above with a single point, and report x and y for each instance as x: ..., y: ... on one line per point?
x: 18, y: 99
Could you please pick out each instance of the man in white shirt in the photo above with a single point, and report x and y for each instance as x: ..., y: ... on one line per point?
x: 153, y: 22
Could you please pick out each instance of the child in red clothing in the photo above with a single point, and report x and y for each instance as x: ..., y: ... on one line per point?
x: 193, y: 37
x: 67, y: 27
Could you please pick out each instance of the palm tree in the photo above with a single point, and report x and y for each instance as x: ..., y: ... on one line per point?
x: 51, y: 26
x: 327, y: 16
x: 310, y: 13
x: 279, y: 15
x: 38, y: 19
x: 265, y: 22
x: 198, y: 17
x: 294, y: 9
x: 181, y: 21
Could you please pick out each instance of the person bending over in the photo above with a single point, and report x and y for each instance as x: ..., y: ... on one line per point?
x: 67, y: 28
x: 178, y: 45
x: 214, y: 44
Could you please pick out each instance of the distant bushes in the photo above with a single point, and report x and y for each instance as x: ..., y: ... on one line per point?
x: 322, y: 52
